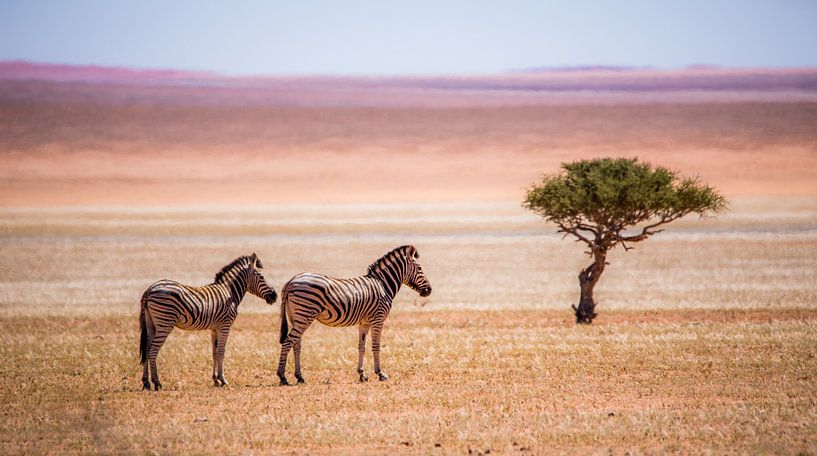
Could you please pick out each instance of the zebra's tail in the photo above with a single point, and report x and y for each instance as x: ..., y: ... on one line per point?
x: 143, y: 339
x: 284, y: 325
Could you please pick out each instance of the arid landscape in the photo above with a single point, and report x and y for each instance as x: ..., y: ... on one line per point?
x: 110, y: 180
x: 139, y: 140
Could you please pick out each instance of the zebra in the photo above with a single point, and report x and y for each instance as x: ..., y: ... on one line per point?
x: 167, y: 304
x: 364, y: 301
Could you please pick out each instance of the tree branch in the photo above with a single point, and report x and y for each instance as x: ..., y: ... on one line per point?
x: 585, y: 227
x: 575, y: 232
x: 648, y: 230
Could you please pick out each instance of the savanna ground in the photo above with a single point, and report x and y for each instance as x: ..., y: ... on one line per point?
x: 706, y: 338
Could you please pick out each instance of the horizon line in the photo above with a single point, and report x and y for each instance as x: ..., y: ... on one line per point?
x: 543, y: 69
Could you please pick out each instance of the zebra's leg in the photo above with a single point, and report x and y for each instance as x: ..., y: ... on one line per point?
x: 299, y: 325
x: 297, y: 349
x: 377, y: 329
x: 296, y: 335
x: 151, y: 330
x: 361, y: 350
x: 214, y: 344
x: 282, y: 360
x: 286, y: 345
x: 145, y: 381
x: 156, y: 343
x: 223, y: 334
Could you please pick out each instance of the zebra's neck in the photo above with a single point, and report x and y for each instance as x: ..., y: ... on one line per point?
x: 238, y: 286
x: 391, y: 274
x: 229, y: 272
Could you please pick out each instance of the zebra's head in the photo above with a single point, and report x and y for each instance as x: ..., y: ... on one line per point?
x: 415, y: 278
x: 256, y: 284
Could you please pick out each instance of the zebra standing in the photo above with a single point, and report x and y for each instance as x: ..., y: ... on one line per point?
x: 167, y: 304
x: 364, y: 301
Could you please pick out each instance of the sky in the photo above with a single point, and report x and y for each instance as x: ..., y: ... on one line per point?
x: 351, y: 37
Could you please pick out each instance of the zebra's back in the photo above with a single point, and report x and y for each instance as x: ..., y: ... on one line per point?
x: 335, y: 302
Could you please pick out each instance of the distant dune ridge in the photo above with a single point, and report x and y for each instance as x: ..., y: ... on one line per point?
x: 87, y: 135
x: 23, y: 70
x: 588, y: 84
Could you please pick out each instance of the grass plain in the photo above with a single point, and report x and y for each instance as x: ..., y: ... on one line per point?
x: 706, y: 339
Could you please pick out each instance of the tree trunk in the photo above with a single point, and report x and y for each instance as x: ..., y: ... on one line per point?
x: 588, y: 278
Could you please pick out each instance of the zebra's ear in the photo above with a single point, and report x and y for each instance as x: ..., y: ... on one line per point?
x: 412, y: 251
x: 254, y: 261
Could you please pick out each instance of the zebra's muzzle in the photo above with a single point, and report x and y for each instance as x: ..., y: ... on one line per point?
x: 425, y: 292
x: 271, y: 298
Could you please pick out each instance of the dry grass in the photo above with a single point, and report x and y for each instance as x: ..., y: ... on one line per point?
x: 85, y: 261
x: 706, y: 339
x: 524, y: 381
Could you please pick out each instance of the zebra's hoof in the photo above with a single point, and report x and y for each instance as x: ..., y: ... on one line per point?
x: 363, y: 378
x: 382, y: 376
x: 145, y: 386
x: 157, y: 386
x: 284, y: 382
x: 300, y: 381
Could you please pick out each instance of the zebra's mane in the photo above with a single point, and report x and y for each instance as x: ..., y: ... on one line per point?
x: 242, y: 261
x: 402, y: 251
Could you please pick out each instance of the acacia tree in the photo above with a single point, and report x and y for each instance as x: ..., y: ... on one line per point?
x: 609, y: 202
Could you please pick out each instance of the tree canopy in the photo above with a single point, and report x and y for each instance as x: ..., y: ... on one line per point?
x: 610, y: 201
x: 598, y: 200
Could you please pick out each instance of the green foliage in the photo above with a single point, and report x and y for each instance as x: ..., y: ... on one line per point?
x: 596, y: 200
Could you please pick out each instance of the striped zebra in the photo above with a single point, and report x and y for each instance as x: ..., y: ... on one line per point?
x: 167, y: 304
x: 364, y: 301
